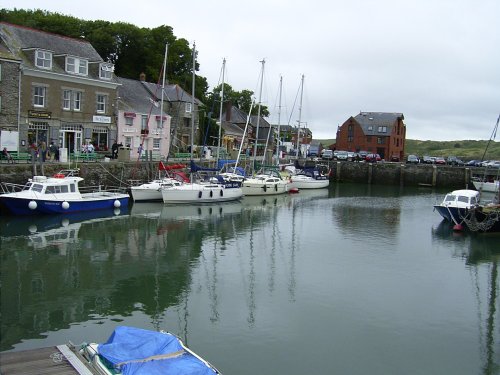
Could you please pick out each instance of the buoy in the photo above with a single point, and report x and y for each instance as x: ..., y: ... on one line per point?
x: 458, y: 227
x: 211, y: 193
x: 65, y: 205
x: 265, y: 188
x: 117, y: 204
x: 116, y: 211
x: 221, y: 193
x: 199, y: 194
x: 32, y: 205
x: 276, y: 187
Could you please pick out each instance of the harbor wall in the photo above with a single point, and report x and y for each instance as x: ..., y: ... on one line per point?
x: 117, y: 173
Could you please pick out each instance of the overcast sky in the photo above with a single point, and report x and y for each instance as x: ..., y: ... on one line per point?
x: 435, y: 61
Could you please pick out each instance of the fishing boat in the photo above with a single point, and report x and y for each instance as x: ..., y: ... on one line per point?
x: 135, y: 351
x: 168, y: 176
x: 59, y: 194
x: 456, y: 204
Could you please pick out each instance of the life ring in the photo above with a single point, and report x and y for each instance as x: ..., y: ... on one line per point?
x: 59, y: 175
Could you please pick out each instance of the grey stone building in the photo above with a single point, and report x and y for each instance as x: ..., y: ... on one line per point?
x: 10, y: 79
x: 68, y: 93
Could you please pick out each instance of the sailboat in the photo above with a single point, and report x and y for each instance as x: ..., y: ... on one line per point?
x: 267, y: 181
x: 306, y: 177
x: 214, y: 190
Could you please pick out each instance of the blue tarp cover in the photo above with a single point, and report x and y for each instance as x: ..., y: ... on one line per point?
x: 130, y: 346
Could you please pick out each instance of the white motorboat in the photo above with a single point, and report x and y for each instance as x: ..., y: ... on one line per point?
x: 267, y: 182
x: 151, y: 191
x: 456, y: 204
x: 202, y: 192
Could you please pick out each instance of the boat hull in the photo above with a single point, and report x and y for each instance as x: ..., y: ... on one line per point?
x: 452, y: 214
x: 258, y: 188
x: 310, y: 183
x: 88, y: 202
x: 199, y: 193
x: 491, y: 187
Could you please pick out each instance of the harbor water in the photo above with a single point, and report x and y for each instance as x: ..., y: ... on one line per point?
x: 354, y: 279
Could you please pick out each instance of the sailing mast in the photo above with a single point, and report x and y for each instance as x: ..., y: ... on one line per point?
x: 162, y: 93
x: 279, y: 124
x: 300, y: 115
x: 258, y: 115
x: 192, y: 105
x: 220, y: 111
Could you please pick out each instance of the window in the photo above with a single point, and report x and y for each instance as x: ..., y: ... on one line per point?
x: 144, y: 122
x: 380, y: 140
x: 106, y: 71
x: 129, y: 121
x: 156, y: 143
x: 370, y: 128
x: 382, y: 129
x: 39, y: 96
x: 101, y: 103
x: 67, y: 100
x: 72, y: 98
x: 350, y: 139
x: 77, y: 101
x: 43, y: 59
x: 368, y: 139
x: 76, y: 66
x: 188, y: 107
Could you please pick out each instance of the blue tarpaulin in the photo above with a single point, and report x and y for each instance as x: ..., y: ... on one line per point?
x: 138, y: 351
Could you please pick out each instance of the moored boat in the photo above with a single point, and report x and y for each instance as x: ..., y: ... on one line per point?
x: 266, y: 182
x: 456, y: 204
x: 135, y: 351
x: 59, y: 194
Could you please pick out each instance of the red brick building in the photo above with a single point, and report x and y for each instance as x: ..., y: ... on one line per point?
x: 376, y: 132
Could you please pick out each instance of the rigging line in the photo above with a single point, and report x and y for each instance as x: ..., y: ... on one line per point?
x: 293, y: 107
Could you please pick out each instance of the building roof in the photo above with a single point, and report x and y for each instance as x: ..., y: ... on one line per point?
x: 19, y: 38
x: 172, y: 93
x: 376, y: 119
x: 134, y: 97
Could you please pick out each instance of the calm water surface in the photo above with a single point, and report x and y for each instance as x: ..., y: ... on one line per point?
x: 347, y: 280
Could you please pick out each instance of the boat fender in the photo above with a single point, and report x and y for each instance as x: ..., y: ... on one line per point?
x: 211, y: 193
x: 265, y: 188
x: 117, y: 204
x: 32, y: 205
x: 276, y: 187
x: 199, y: 194
x: 221, y: 193
x: 65, y: 205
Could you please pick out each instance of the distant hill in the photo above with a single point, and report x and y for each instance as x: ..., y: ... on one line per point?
x: 466, y: 150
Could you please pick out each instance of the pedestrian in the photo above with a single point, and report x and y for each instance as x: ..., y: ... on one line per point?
x: 43, y: 150
x: 139, y: 151
x: 114, y: 150
x: 7, y: 156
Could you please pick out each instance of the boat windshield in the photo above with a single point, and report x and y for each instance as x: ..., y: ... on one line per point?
x: 56, y: 189
x: 37, y: 187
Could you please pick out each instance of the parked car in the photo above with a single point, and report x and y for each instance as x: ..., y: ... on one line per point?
x: 395, y: 158
x: 327, y: 155
x: 373, y: 158
x: 363, y: 154
x: 342, y: 155
x: 350, y: 155
x: 453, y: 160
x: 473, y: 163
x: 412, y: 159
x: 493, y: 164
x: 440, y: 160
x: 427, y: 160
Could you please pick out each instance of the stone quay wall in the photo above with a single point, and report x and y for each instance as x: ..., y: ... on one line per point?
x: 123, y: 174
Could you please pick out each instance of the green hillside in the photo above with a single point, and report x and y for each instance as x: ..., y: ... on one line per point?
x: 466, y: 150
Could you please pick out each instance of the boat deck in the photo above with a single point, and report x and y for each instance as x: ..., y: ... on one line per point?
x: 54, y: 360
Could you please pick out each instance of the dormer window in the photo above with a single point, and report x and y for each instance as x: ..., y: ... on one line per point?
x: 76, y: 65
x: 43, y: 59
x: 106, y: 71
